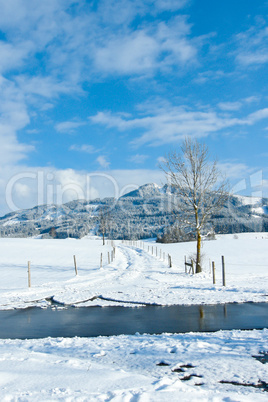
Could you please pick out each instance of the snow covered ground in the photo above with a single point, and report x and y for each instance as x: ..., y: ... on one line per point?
x: 179, y: 367
x: 135, y: 275
x: 170, y: 367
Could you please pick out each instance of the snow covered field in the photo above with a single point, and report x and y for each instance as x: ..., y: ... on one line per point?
x: 170, y: 367
x: 135, y: 275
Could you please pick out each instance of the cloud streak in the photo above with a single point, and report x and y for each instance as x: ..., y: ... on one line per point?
x: 69, y: 127
x: 88, y: 149
x: 252, y: 47
x: 170, y: 125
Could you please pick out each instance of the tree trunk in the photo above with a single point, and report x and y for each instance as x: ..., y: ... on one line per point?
x: 103, y: 238
x: 198, y: 254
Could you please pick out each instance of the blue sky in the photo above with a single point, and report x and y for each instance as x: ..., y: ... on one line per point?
x: 95, y: 93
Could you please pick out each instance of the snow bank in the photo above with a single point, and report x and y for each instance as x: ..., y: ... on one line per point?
x: 180, y: 367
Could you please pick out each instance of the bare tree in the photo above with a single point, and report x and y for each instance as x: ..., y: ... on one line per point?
x: 53, y: 233
x: 104, y: 222
x: 200, y: 188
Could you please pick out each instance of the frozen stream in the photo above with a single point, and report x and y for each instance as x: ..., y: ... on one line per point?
x: 94, y: 321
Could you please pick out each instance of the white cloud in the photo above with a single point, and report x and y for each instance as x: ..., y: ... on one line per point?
x: 89, y: 149
x: 46, y: 87
x: 123, y: 12
x: 230, y: 106
x: 257, y: 116
x: 46, y: 106
x: 72, y: 42
x: 253, y: 58
x: 170, y: 124
x: 235, y: 170
x: 120, y: 12
x: 166, y: 126
x: 49, y: 30
x: 102, y: 161
x: 161, y: 160
x: 265, y: 186
x: 129, y: 180
x: 68, y: 126
x: 252, y: 46
x: 205, y: 76
x: 146, y: 50
x: 252, y: 99
x: 23, y: 187
x: 13, y: 117
x: 22, y: 190
x: 71, y: 185
x: 136, y: 53
x: 139, y: 159
x: 13, y: 56
x: 170, y: 5
x: 244, y: 179
x: 38, y: 19
x: 237, y: 105
x: 109, y: 120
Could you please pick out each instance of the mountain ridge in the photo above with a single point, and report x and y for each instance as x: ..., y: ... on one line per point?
x: 144, y: 212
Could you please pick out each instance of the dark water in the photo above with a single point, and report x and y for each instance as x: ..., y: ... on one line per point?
x: 93, y: 321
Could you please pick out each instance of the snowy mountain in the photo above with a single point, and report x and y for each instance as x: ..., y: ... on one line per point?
x: 145, y: 212
x: 146, y: 191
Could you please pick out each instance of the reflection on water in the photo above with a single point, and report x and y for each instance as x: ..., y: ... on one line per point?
x: 225, y: 310
x: 94, y: 321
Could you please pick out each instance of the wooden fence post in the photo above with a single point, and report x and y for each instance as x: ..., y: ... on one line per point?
x: 101, y: 260
x: 109, y: 261
x: 189, y: 264
x: 223, y: 271
x: 213, y: 272
x: 192, y: 262
x: 75, y: 266
x: 29, y: 274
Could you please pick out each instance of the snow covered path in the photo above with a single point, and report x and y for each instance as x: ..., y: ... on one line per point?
x: 134, y: 275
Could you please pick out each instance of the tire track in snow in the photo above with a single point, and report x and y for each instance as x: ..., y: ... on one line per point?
x: 137, y: 263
